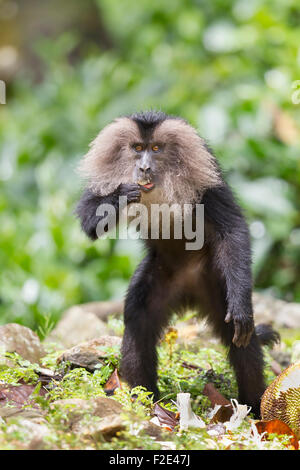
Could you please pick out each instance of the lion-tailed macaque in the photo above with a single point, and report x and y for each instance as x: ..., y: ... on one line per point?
x: 154, y: 158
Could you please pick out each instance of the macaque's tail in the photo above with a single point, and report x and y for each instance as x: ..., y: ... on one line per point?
x: 266, y: 335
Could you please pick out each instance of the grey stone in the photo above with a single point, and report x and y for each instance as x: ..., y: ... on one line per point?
x: 100, y: 417
x: 76, y: 326
x: 106, y: 416
x: 22, y: 340
x: 102, y: 310
x: 282, y: 314
x: 89, y: 353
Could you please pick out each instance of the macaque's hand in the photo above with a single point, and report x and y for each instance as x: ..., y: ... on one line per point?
x: 243, y: 328
x: 131, y: 191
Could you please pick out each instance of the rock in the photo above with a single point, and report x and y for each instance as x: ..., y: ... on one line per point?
x: 101, y: 417
x: 76, y: 326
x: 152, y: 430
x: 74, y: 408
x: 90, y: 353
x: 35, y: 430
x: 22, y: 340
x: 107, y: 407
x: 107, y: 410
x: 8, y: 412
x: 102, y: 310
x: 106, y: 427
x: 282, y: 314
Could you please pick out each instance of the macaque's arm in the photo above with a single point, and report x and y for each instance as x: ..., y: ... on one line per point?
x: 230, y: 247
x: 89, y: 203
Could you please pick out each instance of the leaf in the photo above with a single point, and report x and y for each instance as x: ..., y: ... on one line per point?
x: 113, y: 383
x: 18, y: 394
x: 215, y: 397
x: 223, y: 414
x: 276, y: 426
x: 166, y: 418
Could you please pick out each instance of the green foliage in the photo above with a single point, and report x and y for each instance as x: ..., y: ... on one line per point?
x: 18, y: 369
x: 174, y: 377
x: 223, y: 65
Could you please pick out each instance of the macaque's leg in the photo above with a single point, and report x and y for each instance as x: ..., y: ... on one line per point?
x: 248, y: 365
x: 145, y: 315
x: 247, y: 361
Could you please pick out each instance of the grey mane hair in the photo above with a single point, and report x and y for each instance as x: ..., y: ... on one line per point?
x: 188, y: 170
x: 192, y: 168
x: 107, y: 163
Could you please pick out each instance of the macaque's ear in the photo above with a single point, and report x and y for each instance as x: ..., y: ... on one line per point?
x: 107, y: 163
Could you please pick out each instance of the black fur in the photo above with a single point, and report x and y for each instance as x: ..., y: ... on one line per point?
x: 89, y: 202
x: 266, y: 335
x: 147, y: 122
x: 220, y: 290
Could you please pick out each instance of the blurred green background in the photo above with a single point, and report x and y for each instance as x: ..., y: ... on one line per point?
x: 227, y: 66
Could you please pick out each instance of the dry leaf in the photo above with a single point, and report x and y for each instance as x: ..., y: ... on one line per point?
x: 276, y: 427
x: 215, y: 397
x: 18, y: 395
x: 167, y: 419
x: 223, y: 414
x: 113, y: 383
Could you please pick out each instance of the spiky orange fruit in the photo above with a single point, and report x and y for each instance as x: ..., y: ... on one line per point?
x: 281, y: 400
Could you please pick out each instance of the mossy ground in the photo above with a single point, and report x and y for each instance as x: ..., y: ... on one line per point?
x: 174, y: 377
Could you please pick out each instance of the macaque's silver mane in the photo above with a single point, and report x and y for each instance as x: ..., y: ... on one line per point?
x: 186, y: 169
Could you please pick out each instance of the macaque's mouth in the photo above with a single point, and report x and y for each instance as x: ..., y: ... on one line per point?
x: 146, y: 187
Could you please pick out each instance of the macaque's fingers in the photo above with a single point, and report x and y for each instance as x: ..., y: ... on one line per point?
x: 134, y: 196
x: 131, y: 191
x: 243, y: 330
x: 237, y: 334
x: 228, y: 317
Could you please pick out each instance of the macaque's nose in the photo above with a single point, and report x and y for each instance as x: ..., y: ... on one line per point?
x: 145, y: 164
x: 145, y: 169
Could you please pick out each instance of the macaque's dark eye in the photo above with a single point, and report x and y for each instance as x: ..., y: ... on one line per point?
x: 155, y: 148
x: 138, y: 147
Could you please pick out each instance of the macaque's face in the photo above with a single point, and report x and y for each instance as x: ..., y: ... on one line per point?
x: 148, y: 158
x: 171, y: 161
